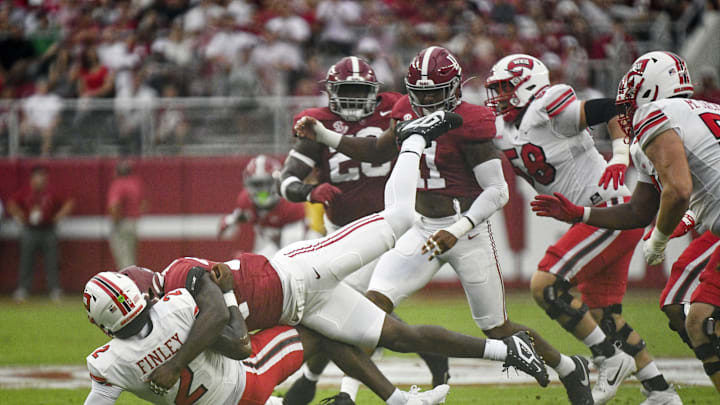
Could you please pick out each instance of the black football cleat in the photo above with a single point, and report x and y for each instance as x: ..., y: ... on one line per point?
x: 577, y: 383
x: 339, y: 399
x: 302, y: 392
x: 521, y: 355
x: 429, y: 127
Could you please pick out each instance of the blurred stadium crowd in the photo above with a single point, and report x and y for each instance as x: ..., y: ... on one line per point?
x: 147, y: 49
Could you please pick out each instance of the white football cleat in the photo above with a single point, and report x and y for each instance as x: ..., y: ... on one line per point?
x: 434, y: 396
x: 611, y: 372
x: 666, y: 397
x: 274, y: 401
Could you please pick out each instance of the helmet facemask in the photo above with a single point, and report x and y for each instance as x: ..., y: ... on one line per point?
x: 262, y: 190
x: 352, y: 100
x: 428, y: 98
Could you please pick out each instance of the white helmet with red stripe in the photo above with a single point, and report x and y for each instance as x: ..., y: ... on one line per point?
x: 352, y: 87
x: 259, y: 180
x: 513, y: 82
x: 433, y: 81
x: 112, y: 301
x: 653, y: 76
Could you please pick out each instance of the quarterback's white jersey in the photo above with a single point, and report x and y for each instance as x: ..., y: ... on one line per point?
x: 698, y: 125
x: 550, y: 151
x: 125, y: 363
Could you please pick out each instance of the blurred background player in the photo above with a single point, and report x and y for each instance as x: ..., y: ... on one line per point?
x: 276, y: 222
x: 542, y: 130
x: 461, y: 186
x: 674, y: 140
x: 347, y: 188
x: 38, y: 208
x: 126, y: 202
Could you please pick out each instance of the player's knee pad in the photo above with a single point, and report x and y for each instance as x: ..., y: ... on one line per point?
x: 707, y: 350
x: 630, y: 348
x: 559, y: 300
x: 619, y: 336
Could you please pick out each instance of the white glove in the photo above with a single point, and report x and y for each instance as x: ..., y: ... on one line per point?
x: 654, y: 248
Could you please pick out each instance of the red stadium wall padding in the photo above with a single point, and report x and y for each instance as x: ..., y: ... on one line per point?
x: 174, y: 186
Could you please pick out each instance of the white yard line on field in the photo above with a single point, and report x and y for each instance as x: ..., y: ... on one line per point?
x: 401, y: 371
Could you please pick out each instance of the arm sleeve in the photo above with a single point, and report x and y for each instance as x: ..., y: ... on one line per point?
x: 494, y: 196
x: 599, y: 110
x: 103, y: 394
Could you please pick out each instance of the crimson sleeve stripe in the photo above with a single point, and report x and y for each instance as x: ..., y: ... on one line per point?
x: 651, y: 125
x: 559, y: 100
x: 649, y: 117
x: 562, y: 107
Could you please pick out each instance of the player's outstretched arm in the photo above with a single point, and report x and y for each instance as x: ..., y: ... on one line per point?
x: 208, y: 325
x: 364, y: 149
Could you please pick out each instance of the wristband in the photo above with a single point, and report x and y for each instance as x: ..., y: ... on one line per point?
x: 586, y: 214
x: 621, y: 153
x: 658, y: 236
x: 326, y: 136
x: 460, y: 228
x: 230, y: 299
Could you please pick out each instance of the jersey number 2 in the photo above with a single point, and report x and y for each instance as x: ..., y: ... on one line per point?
x: 184, y: 396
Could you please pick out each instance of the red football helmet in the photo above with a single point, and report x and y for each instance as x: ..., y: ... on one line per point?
x: 352, y: 88
x: 259, y: 180
x: 433, y: 81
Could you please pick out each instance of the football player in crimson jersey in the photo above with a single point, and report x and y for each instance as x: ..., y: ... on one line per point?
x: 461, y: 186
x: 301, y: 284
x: 676, y: 139
x: 542, y: 133
x: 277, y: 222
x: 174, y: 332
x: 349, y: 189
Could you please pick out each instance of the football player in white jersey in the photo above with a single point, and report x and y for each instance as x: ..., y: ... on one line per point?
x: 542, y: 131
x: 678, y: 139
x: 148, y: 336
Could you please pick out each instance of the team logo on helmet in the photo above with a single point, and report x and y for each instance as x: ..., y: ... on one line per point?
x: 520, y: 63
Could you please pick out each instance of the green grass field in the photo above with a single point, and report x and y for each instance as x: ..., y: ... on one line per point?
x: 40, y: 333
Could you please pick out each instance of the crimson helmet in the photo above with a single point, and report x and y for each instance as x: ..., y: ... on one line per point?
x: 513, y: 82
x: 146, y: 280
x: 433, y: 73
x: 260, y: 181
x: 352, y: 88
x: 653, y: 76
x: 112, y: 300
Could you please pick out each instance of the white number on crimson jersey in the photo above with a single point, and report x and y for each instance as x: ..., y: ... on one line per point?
x: 343, y: 168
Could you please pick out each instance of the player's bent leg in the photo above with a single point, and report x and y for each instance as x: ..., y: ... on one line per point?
x: 553, y: 295
x: 302, y: 391
x: 381, y: 301
x: 704, y: 331
x: 676, y: 321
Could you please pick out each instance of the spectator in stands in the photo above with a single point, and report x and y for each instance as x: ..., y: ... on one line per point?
x: 38, y: 208
x: 276, y: 61
x: 40, y: 118
x: 369, y: 48
x: 94, y: 78
x: 201, y: 15
x: 709, y: 90
x: 176, y: 48
x: 126, y: 202
x: 289, y: 27
x: 172, y: 127
x: 133, y: 109
x: 338, y: 18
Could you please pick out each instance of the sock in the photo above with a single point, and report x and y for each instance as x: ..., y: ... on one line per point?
x: 595, y: 337
x: 397, y: 398
x: 350, y: 386
x: 495, y: 350
x: 651, y: 378
x: 415, y: 143
x: 565, y: 367
x: 309, y: 374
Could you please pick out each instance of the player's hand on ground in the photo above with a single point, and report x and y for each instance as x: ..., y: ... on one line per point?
x: 222, y: 276
x: 439, y: 243
x: 557, y: 206
x: 613, y: 173
x: 164, y: 377
x: 324, y: 193
x: 305, y: 128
